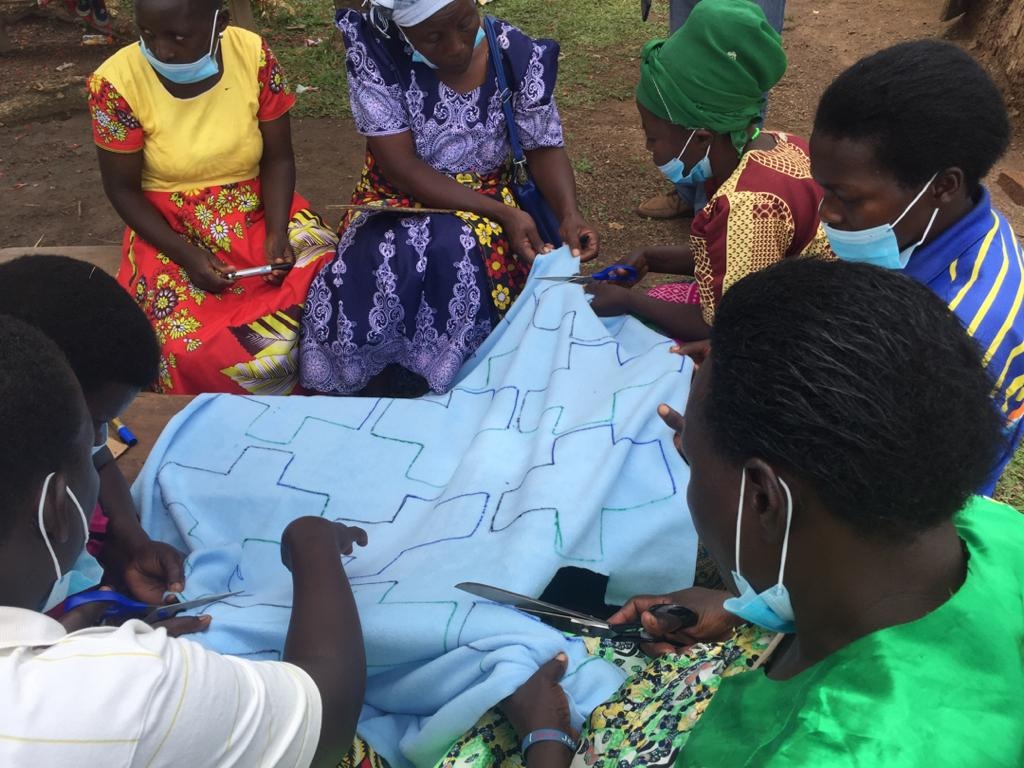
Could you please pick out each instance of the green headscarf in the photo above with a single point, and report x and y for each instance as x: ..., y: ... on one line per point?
x: 713, y: 72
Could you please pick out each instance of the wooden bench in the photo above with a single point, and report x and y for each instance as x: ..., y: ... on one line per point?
x: 106, y: 257
x: 146, y: 418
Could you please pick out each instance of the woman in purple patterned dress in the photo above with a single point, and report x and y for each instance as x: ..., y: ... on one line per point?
x: 420, y: 292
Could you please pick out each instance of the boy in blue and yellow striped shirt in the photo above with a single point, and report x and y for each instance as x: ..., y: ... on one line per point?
x: 901, y: 142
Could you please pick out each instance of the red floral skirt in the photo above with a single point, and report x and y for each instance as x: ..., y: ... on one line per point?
x: 245, y: 339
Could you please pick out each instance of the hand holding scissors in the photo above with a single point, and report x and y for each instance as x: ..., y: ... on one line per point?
x: 616, y: 273
x: 122, y: 608
x: 567, y: 620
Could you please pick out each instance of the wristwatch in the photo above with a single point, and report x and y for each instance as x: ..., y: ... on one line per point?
x: 549, y: 734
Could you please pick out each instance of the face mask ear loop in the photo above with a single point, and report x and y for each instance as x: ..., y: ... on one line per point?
x: 81, y: 512
x: 683, y: 150
x: 42, y: 528
x: 739, y: 515
x: 707, y: 155
x: 928, y: 229
x: 213, y: 32
x: 789, y: 522
x: 663, y: 102
x: 914, y: 201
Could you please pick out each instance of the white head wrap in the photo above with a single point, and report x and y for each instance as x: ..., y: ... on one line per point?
x: 409, y: 13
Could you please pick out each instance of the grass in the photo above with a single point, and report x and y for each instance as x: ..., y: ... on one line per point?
x: 1011, y: 487
x: 319, y: 66
x: 582, y: 165
x: 600, y: 42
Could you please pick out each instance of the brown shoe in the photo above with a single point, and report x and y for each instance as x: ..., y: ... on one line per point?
x: 666, y: 206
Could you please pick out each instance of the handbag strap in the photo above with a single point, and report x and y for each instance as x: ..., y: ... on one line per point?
x: 506, y: 93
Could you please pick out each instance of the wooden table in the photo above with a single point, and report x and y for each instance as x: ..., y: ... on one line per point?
x: 147, y: 417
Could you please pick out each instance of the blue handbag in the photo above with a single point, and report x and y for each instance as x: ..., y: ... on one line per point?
x: 525, y: 191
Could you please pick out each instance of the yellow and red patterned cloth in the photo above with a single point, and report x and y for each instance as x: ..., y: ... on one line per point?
x: 201, y: 159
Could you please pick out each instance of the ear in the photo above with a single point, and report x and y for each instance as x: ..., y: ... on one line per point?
x: 223, y: 20
x: 703, y: 137
x: 949, y: 185
x: 767, y: 499
x: 57, y: 510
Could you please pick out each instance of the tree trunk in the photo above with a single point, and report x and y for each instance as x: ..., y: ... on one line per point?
x: 241, y: 14
x: 996, y: 28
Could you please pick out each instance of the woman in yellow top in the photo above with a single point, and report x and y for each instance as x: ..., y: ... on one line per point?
x: 194, y: 145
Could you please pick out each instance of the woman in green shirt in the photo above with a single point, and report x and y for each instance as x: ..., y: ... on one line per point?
x: 832, y: 479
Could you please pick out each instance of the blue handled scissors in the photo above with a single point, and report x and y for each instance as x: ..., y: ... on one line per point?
x: 122, y: 607
x: 608, y: 274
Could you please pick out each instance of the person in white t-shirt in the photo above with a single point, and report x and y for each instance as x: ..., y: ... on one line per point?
x: 133, y: 695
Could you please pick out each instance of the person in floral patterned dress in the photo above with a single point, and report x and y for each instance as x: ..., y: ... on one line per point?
x: 421, y: 292
x: 194, y: 145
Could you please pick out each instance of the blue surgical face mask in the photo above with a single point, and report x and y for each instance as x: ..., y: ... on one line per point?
x: 878, y: 245
x: 417, y: 56
x: 675, y: 171
x: 193, y: 72
x: 772, y: 608
x: 84, y: 574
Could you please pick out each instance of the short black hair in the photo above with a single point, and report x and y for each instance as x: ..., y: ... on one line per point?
x: 926, y: 105
x: 99, y: 327
x: 861, y: 382
x: 41, y: 413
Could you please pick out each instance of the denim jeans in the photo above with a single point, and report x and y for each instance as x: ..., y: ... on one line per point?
x: 679, y: 11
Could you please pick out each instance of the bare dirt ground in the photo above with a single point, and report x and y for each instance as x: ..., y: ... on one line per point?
x: 50, y: 187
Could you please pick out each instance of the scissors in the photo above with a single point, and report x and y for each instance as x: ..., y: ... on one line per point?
x: 608, y: 274
x: 645, y: 9
x: 567, y: 620
x: 122, y: 607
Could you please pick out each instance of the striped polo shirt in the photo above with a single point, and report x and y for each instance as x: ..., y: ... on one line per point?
x: 977, y: 268
x: 132, y: 697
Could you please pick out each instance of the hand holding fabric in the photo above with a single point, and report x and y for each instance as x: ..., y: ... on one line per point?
x: 580, y: 237
x: 523, y: 238
x: 697, y: 351
x: 540, y: 702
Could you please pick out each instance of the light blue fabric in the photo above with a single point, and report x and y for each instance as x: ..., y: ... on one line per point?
x: 548, y: 452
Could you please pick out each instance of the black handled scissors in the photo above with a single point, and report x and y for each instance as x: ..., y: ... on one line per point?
x: 567, y: 620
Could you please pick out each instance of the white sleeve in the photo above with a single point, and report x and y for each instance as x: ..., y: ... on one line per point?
x: 132, y: 696
x: 228, y: 711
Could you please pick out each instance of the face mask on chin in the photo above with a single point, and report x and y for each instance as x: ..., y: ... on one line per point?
x: 85, y: 573
x: 194, y: 71
x: 675, y: 170
x: 419, y: 57
x: 878, y: 245
x: 771, y: 608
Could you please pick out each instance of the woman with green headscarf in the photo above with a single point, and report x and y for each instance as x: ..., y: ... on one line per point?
x: 700, y: 96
